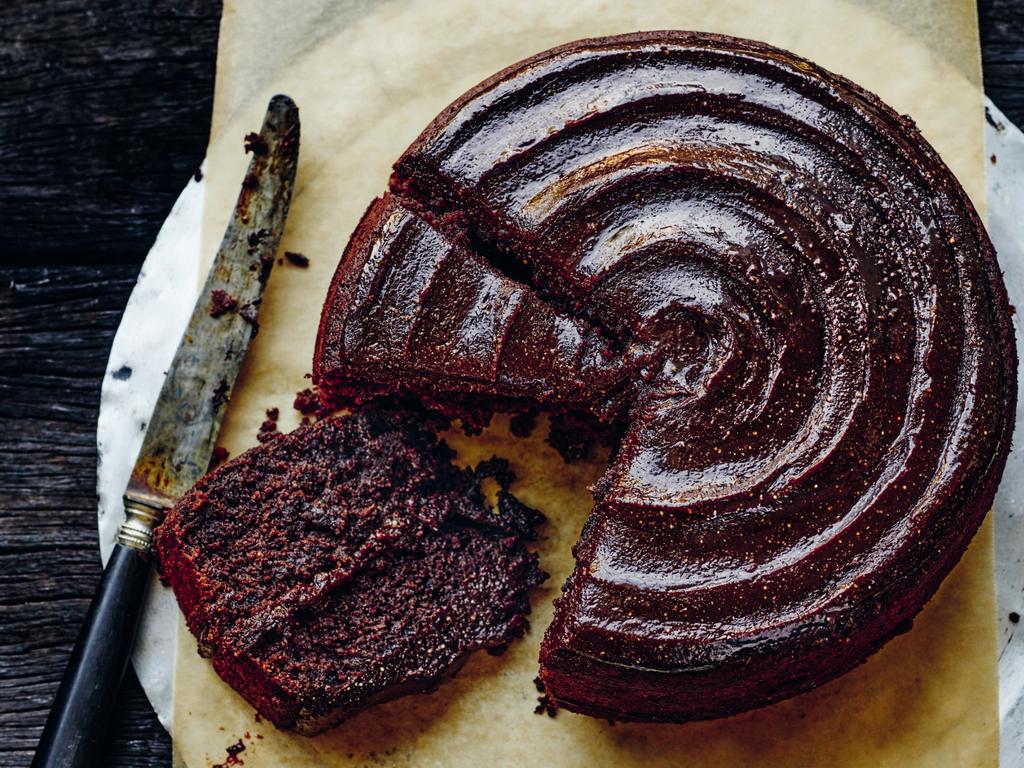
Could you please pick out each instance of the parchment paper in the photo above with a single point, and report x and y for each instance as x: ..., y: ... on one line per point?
x: 367, y: 78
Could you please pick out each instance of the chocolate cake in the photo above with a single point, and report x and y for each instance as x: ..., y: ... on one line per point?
x: 761, y: 277
x: 345, y: 564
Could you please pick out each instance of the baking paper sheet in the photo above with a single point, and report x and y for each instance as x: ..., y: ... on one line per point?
x: 367, y: 77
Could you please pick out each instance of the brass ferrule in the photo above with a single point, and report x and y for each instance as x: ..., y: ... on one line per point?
x: 141, y: 519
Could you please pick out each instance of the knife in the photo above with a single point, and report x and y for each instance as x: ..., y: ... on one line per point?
x: 179, y: 440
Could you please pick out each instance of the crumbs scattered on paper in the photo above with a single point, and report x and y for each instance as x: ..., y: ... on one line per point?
x: 268, y: 429
x: 308, y: 403
x: 544, y: 704
x: 234, y: 750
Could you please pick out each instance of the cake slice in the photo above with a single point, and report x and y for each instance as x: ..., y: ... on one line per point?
x: 346, y: 564
x: 431, y: 318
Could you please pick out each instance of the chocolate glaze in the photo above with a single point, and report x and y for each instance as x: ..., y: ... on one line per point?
x: 426, y: 315
x: 782, y: 295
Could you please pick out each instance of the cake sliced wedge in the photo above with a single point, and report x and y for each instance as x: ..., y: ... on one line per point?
x: 346, y: 564
x: 433, y: 319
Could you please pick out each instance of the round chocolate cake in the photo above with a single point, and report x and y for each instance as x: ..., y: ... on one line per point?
x: 757, y: 280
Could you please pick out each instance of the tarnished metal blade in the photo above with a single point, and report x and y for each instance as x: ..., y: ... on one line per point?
x: 181, y: 433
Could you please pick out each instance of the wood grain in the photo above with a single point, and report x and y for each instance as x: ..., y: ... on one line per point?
x: 104, y: 112
x: 1002, y: 54
x: 56, y: 325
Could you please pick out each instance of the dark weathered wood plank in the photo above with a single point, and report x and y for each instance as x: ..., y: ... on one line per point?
x: 105, y: 112
x: 1002, y: 54
x: 56, y: 325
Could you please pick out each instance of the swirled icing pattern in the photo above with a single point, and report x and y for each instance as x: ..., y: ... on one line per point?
x: 770, y: 283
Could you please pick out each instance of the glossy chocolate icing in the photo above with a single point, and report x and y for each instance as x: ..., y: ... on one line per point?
x: 775, y: 286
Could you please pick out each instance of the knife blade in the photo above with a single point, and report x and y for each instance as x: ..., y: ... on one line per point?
x: 181, y: 432
x: 179, y: 439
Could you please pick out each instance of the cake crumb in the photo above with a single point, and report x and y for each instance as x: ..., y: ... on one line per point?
x: 256, y: 144
x: 222, y: 302
x: 522, y: 424
x: 499, y: 650
x: 298, y: 259
x: 219, y: 456
x: 220, y: 394
x: 268, y: 429
x: 266, y: 260
x: 904, y: 626
x: 234, y: 750
x: 518, y: 517
x: 572, y: 435
x: 498, y: 468
x: 545, y: 706
x: 308, y: 403
x: 510, y: 514
x: 993, y: 159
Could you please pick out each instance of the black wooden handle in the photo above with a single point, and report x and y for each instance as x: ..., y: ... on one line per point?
x: 75, y: 731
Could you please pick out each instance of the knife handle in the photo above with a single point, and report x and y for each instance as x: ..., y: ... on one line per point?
x: 75, y: 731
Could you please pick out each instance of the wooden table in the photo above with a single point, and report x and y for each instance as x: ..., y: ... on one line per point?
x: 104, y: 113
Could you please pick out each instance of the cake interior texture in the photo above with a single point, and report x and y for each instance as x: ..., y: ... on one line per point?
x: 347, y: 563
x: 756, y: 281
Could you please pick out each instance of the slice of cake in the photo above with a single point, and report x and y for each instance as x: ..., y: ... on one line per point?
x: 345, y: 564
x: 433, y: 319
